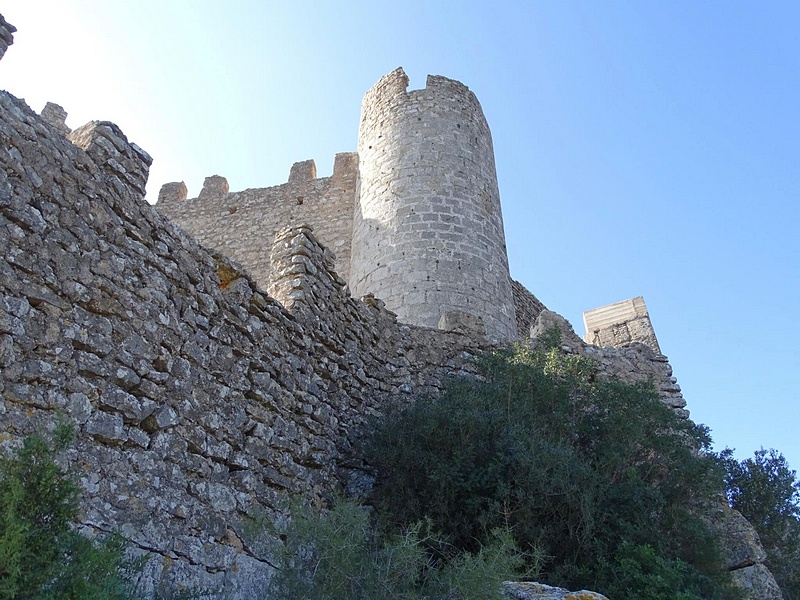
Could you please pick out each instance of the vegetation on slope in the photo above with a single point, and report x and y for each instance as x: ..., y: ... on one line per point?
x: 599, y: 479
x: 536, y: 469
x: 41, y: 554
x: 766, y: 491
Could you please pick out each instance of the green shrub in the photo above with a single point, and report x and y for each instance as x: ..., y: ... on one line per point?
x: 336, y: 555
x: 41, y: 555
x: 766, y: 491
x: 600, y: 476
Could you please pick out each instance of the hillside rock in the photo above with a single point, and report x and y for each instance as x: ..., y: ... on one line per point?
x: 540, y: 591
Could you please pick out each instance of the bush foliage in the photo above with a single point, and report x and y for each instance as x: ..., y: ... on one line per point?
x: 336, y: 555
x: 599, y: 476
x: 766, y: 491
x: 41, y: 555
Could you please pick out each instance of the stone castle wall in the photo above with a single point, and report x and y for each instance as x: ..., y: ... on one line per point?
x: 242, y: 225
x: 428, y: 232
x: 198, y: 398
x: 414, y: 218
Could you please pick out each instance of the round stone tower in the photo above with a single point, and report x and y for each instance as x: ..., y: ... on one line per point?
x: 428, y: 231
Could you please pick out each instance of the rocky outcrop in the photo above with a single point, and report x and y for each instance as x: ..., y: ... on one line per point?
x: 539, y: 591
x: 56, y: 116
x: 743, y: 554
x: 757, y: 582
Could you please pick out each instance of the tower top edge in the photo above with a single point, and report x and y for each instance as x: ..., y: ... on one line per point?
x: 395, y: 83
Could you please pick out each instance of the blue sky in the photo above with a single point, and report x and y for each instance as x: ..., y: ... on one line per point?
x: 643, y: 148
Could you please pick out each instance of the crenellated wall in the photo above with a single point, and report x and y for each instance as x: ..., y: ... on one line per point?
x: 414, y: 218
x: 242, y: 225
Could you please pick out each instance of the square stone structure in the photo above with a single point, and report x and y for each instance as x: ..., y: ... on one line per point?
x: 620, y: 324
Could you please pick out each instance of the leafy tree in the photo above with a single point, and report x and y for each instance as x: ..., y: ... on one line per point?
x: 41, y: 555
x: 766, y: 491
x: 601, y: 476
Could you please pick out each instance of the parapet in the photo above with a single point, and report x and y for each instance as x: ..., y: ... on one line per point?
x: 6, y: 35
x: 447, y: 84
x: 389, y: 86
x: 345, y: 164
x: 620, y: 324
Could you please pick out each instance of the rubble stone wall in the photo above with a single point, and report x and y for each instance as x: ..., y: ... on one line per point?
x: 527, y: 309
x: 198, y: 398
x: 7, y: 31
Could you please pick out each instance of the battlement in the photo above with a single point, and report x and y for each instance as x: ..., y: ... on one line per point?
x: 243, y: 224
x: 387, y: 87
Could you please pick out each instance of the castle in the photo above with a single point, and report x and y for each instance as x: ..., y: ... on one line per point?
x: 413, y: 217
x: 208, y: 384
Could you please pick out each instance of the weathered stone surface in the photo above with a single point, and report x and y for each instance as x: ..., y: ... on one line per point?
x: 758, y: 583
x: 619, y: 324
x: 540, y: 591
x: 199, y: 398
x: 6, y: 35
x: 56, y: 116
x: 256, y: 215
x: 527, y: 308
x: 428, y: 229
x: 633, y: 362
x: 742, y: 553
x: 461, y: 322
x: 214, y: 188
x: 172, y: 192
x: 740, y: 542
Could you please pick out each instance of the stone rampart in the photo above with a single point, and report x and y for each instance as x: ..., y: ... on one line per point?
x: 633, y: 363
x: 198, y: 398
x: 242, y: 225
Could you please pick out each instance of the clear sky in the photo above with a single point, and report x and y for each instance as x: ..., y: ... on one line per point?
x: 643, y: 148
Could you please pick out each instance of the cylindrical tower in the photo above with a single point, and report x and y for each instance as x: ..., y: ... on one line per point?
x: 428, y: 231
